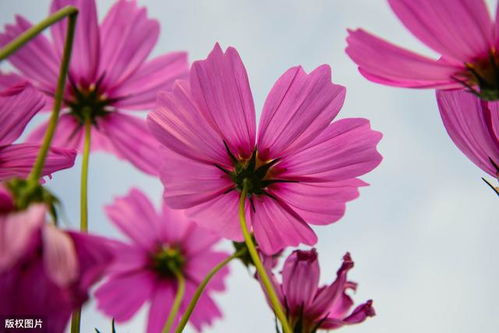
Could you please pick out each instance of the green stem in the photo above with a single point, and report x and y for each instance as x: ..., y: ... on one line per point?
x: 75, y: 321
x: 262, y: 273
x: 32, y: 32
x: 84, y: 176
x: 202, y: 286
x: 72, y: 14
x: 176, y: 303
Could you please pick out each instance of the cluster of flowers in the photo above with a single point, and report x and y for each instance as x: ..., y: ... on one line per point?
x: 223, y: 179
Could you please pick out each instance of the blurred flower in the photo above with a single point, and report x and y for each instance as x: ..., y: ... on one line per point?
x: 108, y: 73
x: 473, y: 125
x: 462, y: 32
x: 310, y: 307
x: 161, y: 242
x: 18, y: 104
x: 45, y: 272
x: 302, y: 168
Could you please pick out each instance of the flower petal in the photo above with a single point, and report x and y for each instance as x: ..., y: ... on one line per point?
x: 86, y: 45
x: 177, y: 124
x: 319, y: 203
x: 468, y: 120
x: 345, y: 149
x: 67, y: 135
x: 121, y: 296
x: 17, y: 160
x: 18, y: 105
x: 59, y: 256
x: 277, y: 226
x: 190, y: 182
x: 198, y: 266
x: 300, y: 280
x: 205, y: 312
x: 461, y: 30
x: 136, y: 217
x: 382, y: 62
x: 297, y: 109
x: 139, y: 91
x: 8, y: 80
x: 127, y: 38
x: 222, y: 92
x: 161, y: 303
x: 17, y: 231
x: 131, y: 140
x: 37, y: 60
x: 358, y: 315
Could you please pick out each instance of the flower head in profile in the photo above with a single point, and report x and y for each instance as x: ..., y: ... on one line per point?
x: 45, y: 272
x: 161, y: 242
x: 462, y: 32
x: 309, y: 307
x: 299, y: 169
x: 18, y: 104
x: 108, y: 73
x: 473, y: 125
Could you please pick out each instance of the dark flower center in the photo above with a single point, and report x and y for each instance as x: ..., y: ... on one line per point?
x: 254, y: 172
x: 168, y: 260
x: 482, y: 78
x: 89, y: 101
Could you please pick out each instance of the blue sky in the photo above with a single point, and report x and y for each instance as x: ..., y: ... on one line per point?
x: 424, y: 234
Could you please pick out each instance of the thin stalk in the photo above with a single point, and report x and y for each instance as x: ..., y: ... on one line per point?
x: 176, y: 303
x: 84, y: 176
x: 72, y: 14
x: 75, y: 321
x: 13, y: 46
x: 264, y: 278
x: 202, y: 286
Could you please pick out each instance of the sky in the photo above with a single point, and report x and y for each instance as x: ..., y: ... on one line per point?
x: 423, y: 235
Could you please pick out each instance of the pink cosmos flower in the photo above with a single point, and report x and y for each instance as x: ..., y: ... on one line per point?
x: 144, y: 273
x: 45, y: 272
x: 310, y: 307
x: 18, y: 105
x: 108, y: 73
x: 473, y: 125
x: 301, y: 168
x: 461, y: 31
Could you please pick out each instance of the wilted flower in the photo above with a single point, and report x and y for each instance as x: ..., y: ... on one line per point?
x: 45, y: 272
x: 161, y: 242
x: 108, y: 73
x: 310, y: 307
x: 473, y: 125
x: 18, y: 104
x: 300, y: 169
x: 462, y: 32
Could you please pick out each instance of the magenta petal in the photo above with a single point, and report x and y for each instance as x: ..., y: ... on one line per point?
x: 461, y: 30
x: 297, y: 109
x: 300, y: 279
x: 121, y: 296
x: 199, y: 266
x: 473, y: 126
x: 37, y: 60
x: 131, y: 140
x: 135, y: 216
x: 18, y: 105
x: 161, y: 304
x: 59, y: 256
x: 277, y: 226
x: 382, y: 62
x: 86, y: 46
x: 220, y: 215
x: 361, y: 313
x: 176, y: 124
x: 17, y: 230
x: 190, y: 182
x: 222, y: 92
x: 319, y: 203
x: 18, y: 160
x: 68, y: 133
x: 345, y: 149
x: 140, y: 89
x: 205, y: 312
x: 127, y: 38
x: 8, y: 80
